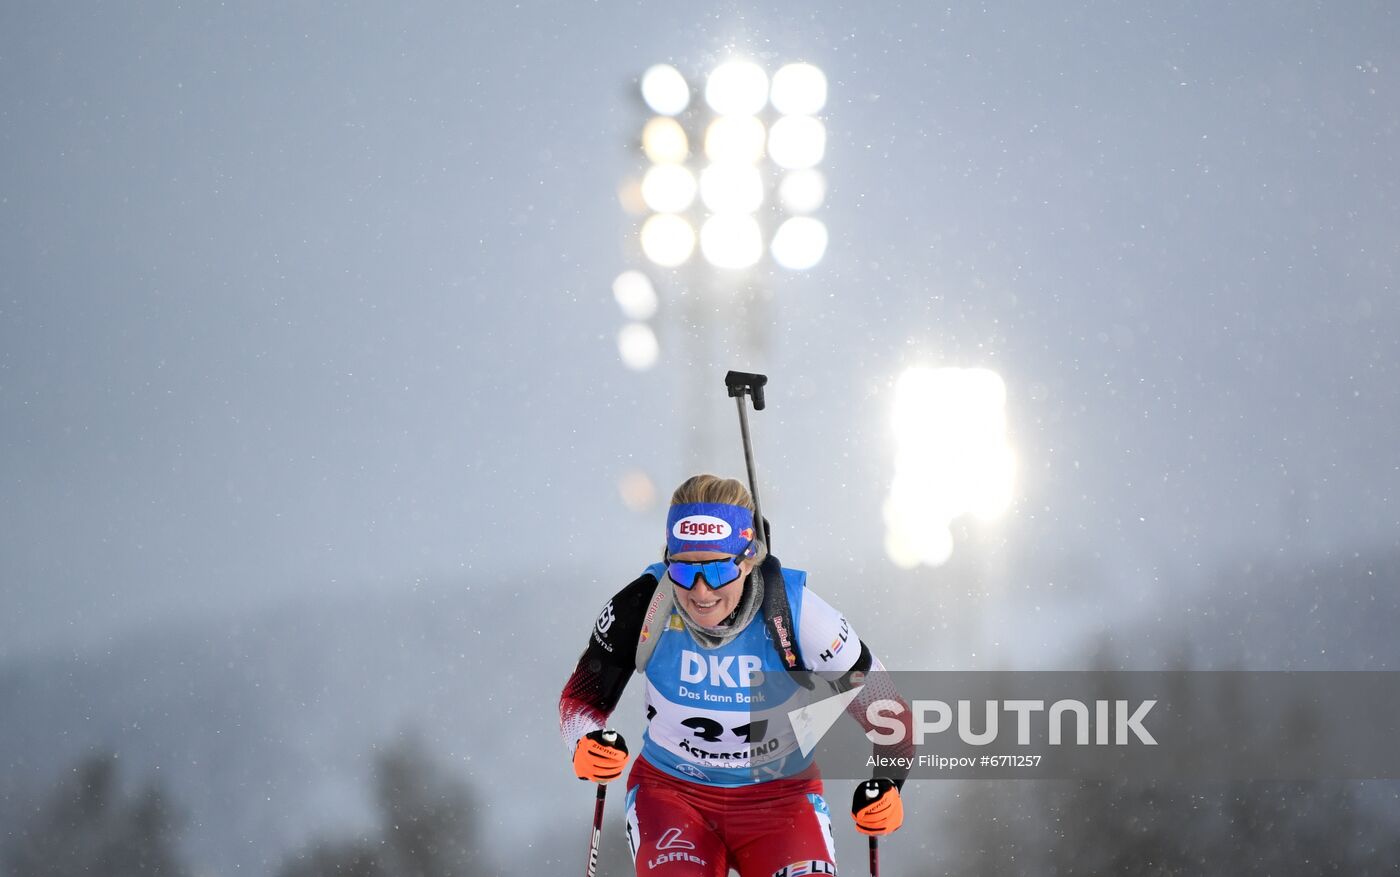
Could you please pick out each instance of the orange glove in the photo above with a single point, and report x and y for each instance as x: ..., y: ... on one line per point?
x: 600, y: 756
x: 876, y: 807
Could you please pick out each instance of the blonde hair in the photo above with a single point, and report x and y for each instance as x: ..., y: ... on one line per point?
x: 712, y: 488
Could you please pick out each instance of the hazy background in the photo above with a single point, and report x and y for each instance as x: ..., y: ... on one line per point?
x: 312, y: 419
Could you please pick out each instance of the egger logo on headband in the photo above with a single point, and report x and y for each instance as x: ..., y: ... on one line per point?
x: 708, y: 526
x: 701, y: 528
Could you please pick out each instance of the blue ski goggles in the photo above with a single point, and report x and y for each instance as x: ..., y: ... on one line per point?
x: 717, y: 573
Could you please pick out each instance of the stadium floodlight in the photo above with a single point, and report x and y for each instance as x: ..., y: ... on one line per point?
x: 637, y: 346
x: 665, y: 90
x: 799, y: 243
x: 731, y: 240
x: 635, y: 295
x: 703, y: 201
x: 735, y: 139
x: 668, y: 188
x: 731, y: 188
x: 664, y: 141
x: 737, y: 88
x: 797, y: 142
x: 951, y: 459
x: 803, y: 191
x: 799, y: 90
x: 667, y: 239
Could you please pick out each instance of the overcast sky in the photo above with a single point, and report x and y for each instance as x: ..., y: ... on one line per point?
x: 304, y: 301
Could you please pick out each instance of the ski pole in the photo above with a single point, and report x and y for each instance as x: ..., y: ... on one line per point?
x: 871, y: 788
x: 595, y: 839
x: 739, y: 384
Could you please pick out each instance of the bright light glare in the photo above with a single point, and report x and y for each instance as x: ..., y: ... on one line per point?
x: 664, y: 141
x: 635, y: 295
x: 797, y: 142
x: 667, y: 239
x: 951, y: 459
x: 928, y: 542
x: 629, y: 195
x: 637, y: 346
x: 738, y: 88
x: 799, y: 90
x: 665, y: 90
x: 731, y: 241
x: 668, y: 188
x: 799, y: 243
x: 735, y: 139
x: 802, y: 191
x: 637, y: 490
x: 731, y: 188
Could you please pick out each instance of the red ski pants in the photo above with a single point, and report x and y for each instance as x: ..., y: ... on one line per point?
x: 678, y: 828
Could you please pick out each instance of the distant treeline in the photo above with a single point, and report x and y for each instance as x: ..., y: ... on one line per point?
x: 89, y: 826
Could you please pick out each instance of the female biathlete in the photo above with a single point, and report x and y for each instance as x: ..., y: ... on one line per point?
x: 721, y: 781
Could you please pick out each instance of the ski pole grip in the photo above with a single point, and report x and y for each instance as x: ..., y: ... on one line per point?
x: 739, y: 383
